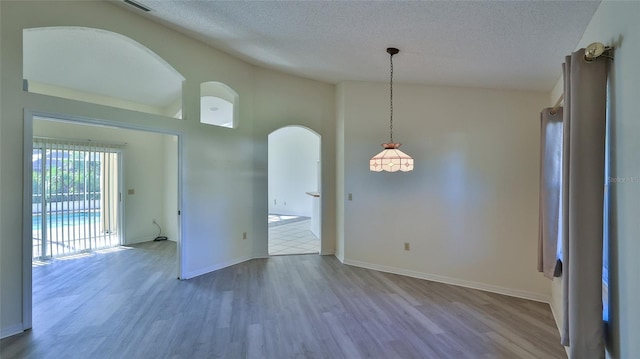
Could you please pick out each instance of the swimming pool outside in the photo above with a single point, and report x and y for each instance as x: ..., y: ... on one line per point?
x: 55, y: 220
x: 70, y: 233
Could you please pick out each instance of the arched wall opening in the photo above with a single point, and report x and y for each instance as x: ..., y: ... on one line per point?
x: 294, y: 164
x: 100, y: 67
x: 218, y: 104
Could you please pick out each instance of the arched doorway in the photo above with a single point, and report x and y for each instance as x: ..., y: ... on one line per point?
x: 294, y: 191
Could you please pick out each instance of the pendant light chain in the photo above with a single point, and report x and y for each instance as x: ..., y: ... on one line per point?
x: 391, y: 100
x: 391, y: 159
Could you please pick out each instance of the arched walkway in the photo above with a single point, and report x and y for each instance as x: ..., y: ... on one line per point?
x: 294, y: 190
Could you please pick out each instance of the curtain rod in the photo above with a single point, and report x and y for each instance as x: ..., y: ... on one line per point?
x: 555, y: 108
x: 591, y: 52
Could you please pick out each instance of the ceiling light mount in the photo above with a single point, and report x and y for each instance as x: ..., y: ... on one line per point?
x: 391, y: 159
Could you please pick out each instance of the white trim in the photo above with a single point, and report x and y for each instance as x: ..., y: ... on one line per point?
x: 215, y: 267
x: 327, y: 253
x: 556, y: 319
x: 121, y: 196
x: 340, y: 257
x: 12, y: 330
x: 27, y: 219
x: 453, y: 281
x: 180, y: 217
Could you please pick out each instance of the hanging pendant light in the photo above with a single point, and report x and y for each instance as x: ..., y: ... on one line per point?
x: 391, y: 159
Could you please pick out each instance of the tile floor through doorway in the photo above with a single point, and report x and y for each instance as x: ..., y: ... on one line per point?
x: 291, y: 235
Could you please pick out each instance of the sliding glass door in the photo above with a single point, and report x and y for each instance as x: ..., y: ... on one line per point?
x: 76, y: 197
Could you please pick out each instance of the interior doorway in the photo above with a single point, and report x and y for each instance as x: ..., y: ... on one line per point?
x: 294, y: 191
x: 135, y: 165
x: 96, y: 187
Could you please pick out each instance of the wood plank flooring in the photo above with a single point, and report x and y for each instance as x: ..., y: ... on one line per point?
x: 128, y: 304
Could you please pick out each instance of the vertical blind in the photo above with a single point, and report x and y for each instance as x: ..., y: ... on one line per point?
x: 76, y: 196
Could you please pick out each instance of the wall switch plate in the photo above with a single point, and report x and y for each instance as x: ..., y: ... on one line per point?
x: 244, y: 235
x: 131, y: 191
x: 350, y: 197
x: 407, y: 246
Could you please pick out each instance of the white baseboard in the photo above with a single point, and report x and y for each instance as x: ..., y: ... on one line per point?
x: 215, y: 267
x: 136, y: 240
x: 555, y: 317
x: 340, y: 257
x: 453, y: 281
x: 12, y: 330
x: 557, y: 320
x: 326, y: 253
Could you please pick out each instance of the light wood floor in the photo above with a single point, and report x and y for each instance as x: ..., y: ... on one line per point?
x: 128, y: 304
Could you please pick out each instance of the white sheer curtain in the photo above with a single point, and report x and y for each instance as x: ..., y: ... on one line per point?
x: 550, y: 191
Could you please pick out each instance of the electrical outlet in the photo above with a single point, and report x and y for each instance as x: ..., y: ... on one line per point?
x: 244, y: 235
x: 131, y: 191
x: 407, y: 246
x: 350, y: 197
x: 275, y: 202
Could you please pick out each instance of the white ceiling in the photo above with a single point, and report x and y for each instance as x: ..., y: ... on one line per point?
x: 492, y: 44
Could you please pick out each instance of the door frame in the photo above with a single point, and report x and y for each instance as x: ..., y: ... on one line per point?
x: 27, y: 230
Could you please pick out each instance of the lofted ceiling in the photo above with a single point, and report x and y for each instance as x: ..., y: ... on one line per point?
x: 489, y: 44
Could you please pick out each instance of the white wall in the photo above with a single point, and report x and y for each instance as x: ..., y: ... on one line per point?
x: 294, y: 153
x: 170, y: 205
x: 617, y: 23
x: 469, y: 209
x: 144, y: 165
x: 224, y: 172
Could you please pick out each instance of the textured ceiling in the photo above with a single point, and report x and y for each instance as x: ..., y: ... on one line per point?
x: 492, y: 44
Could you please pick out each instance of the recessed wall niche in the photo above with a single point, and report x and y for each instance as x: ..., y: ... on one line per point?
x: 218, y: 104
